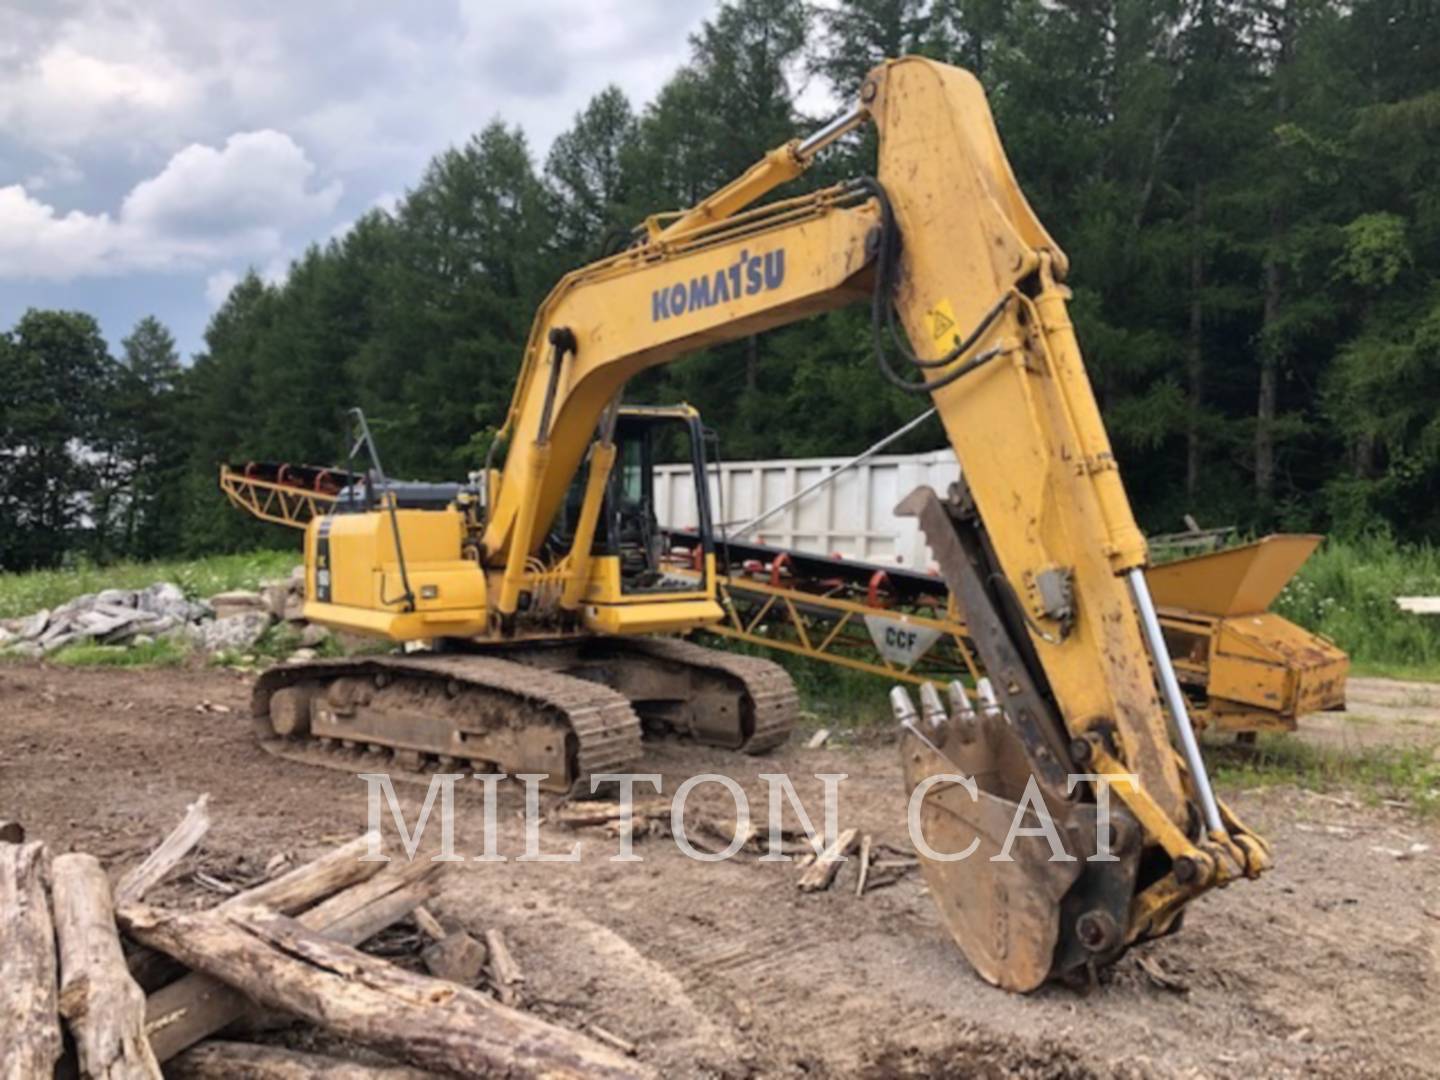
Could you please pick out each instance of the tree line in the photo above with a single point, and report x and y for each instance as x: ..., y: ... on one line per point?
x: 1249, y: 192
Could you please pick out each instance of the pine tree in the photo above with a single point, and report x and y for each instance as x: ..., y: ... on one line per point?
x: 58, y: 374
x: 149, y: 431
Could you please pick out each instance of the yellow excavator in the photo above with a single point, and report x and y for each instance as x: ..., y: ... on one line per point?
x: 538, y: 589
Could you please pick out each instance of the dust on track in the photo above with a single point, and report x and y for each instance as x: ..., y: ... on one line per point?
x: 1330, y: 965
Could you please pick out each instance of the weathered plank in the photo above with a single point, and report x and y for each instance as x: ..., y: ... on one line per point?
x: 137, y: 881
x: 864, y: 865
x: 819, y: 874
x: 504, y: 971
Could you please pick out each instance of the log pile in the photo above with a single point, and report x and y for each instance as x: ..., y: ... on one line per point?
x: 138, y: 988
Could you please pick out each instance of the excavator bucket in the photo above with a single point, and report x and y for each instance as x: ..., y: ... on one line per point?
x: 1004, y: 853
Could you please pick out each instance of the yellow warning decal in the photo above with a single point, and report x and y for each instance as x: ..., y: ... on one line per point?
x: 941, y: 320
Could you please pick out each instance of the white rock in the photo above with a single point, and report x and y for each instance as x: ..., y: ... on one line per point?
x: 153, y: 625
x: 49, y: 644
x: 7, y: 636
x: 275, y: 596
x: 61, y: 626
x: 32, y: 626
x: 301, y: 655
x: 239, y: 631
x: 185, y: 634
x: 75, y: 606
x: 313, y: 635
x: 236, y: 602
x: 27, y: 649
x: 106, y: 619
x: 165, y: 598
x: 142, y: 639
x: 120, y: 597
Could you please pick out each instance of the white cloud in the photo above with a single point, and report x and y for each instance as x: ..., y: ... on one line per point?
x: 258, y: 180
x: 207, y: 204
x: 67, y: 95
x: 37, y: 241
x: 218, y: 286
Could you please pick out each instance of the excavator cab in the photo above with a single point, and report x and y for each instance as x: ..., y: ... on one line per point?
x: 631, y: 577
x: 631, y: 525
x: 629, y: 543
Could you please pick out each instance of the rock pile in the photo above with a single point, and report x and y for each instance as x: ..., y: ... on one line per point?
x: 111, y: 617
x: 228, y: 621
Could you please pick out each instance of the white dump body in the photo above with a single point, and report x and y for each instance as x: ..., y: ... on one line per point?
x: 852, y: 516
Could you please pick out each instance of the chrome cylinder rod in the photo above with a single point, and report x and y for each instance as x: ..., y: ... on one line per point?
x: 813, y: 143
x: 1175, y: 700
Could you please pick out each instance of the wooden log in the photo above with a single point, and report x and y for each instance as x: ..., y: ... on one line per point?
x: 289, y: 893
x: 428, y: 924
x: 429, y: 1023
x: 819, y: 874
x: 219, y: 1060
x: 505, y: 973
x: 196, y: 1006
x: 29, y: 1010
x: 103, y: 1007
x: 350, y: 915
x: 182, y: 839
x: 625, y: 1046
x: 584, y: 815
x: 303, y: 886
x: 12, y: 832
x: 864, y: 865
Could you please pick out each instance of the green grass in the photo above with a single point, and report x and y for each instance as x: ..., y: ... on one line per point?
x: 163, y: 653
x: 1408, y: 774
x: 1347, y: 592
x: 20, y: 594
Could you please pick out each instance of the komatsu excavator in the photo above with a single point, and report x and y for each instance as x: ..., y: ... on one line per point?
x: 539, y: 588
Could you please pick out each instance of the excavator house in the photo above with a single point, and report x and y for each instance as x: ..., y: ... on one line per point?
x: 550, y: 607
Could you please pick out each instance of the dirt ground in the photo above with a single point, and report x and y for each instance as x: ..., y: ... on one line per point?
x: 1329, y: 966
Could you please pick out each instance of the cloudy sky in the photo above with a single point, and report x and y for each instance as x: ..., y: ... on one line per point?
x: 152, y: 150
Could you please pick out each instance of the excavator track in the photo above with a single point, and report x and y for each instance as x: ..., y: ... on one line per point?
x: 415, y: 715
x: 770, y: 700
